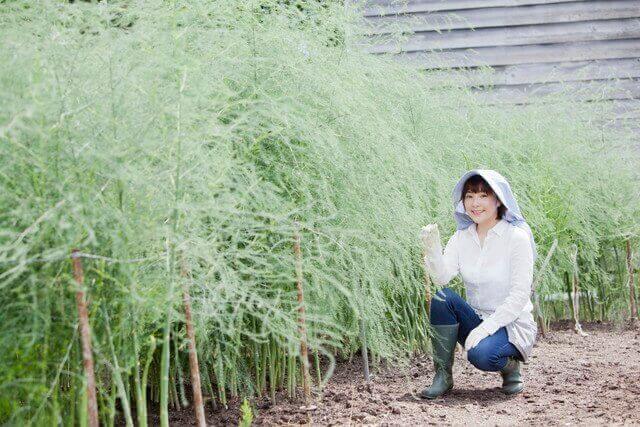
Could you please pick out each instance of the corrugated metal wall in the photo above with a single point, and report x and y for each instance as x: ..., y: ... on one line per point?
x: 536, y: 47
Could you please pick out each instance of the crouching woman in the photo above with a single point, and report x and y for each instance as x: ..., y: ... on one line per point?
x: 493, y: 251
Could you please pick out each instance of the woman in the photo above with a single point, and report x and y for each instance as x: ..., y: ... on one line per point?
x: 493, y: 250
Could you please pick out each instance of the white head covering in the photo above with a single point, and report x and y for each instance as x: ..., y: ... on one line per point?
x: 502, y: 189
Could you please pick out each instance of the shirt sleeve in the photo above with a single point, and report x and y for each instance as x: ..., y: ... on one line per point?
x: 521, y: 277
x: 443, y: 267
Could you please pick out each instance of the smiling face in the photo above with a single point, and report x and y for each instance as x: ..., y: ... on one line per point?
x: 480, y: 202
x: 481, y: 207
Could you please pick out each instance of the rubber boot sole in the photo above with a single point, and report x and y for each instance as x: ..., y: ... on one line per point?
x: 424, y: 396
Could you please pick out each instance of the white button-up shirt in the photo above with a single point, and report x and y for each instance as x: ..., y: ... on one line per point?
x: 497, y: 277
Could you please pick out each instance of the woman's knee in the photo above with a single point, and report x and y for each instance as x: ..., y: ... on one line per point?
x: 442, y: 301
x: 444, y: 296
x: 442, y: 308
x: 484, y: 358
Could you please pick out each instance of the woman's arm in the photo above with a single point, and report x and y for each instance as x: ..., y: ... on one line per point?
x: 521, y: 276
x: 442, y: 268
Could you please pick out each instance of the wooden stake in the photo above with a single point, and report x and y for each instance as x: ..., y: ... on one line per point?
x: 85, y: 336
x: 534, y: 286
x: 365, y: 351
x: 301, y: 318
x: 575, y: 300
x: 632, y: 290
x: 193, y: 355
x: 427, y: 283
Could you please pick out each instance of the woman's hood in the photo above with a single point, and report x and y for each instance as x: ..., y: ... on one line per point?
x: 501, y: 187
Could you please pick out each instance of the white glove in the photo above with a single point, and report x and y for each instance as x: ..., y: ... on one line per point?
x: 430, y: 236
x: 475, y: 336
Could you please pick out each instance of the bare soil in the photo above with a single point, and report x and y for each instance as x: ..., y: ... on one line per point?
x: 569, y: 380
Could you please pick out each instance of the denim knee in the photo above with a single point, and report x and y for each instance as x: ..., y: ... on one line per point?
x: 444, y: 295
x: 442, y: 304
x: 483, y: 358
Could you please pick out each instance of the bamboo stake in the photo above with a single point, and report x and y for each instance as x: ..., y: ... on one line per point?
x: 539, y: 316
x: 575, y: 297
x: 363, y: 339
x: 194, y: 368
x: 301, y: 317
x: 85, y: 336
x: 536, y: 299
x: 365, y: 355
x: 632, y: 291
x: 427, y: 282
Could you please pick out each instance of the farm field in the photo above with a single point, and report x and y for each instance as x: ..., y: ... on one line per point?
x: 225, y: 197
x: 570, y: 380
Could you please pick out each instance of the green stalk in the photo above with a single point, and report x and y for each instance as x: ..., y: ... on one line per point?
x: 55, y: 405
x: 220, y: 377
x: 208, y: 386
x: 183, y: 397
x: 81, y: 409
x: 292, y: 376
x: 84, y: 413
x: 273, y: 373
x: 316, y: 358
x: 141, y: 407
x: 175, y: 401
x: 142, y: 387
x: 112, y: 405
x: 263, y: 371
x: 122, y: 394
x: 233, y: 384
x: 255, y: 356
x: 283, y: 368
x: 165, y: 362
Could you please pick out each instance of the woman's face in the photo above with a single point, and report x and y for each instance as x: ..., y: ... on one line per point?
x: 481, y: 207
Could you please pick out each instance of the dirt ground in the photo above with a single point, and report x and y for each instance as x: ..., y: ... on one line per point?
x: 569, y: 380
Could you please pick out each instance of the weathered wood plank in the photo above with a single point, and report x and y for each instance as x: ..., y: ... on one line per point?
x: 577, y: 91
x: 386, y: 7
x: 626, y: 109
x: 507, y: 16
x: 552, y: 72
x: 532, y: 54
x: 512, y: 36
x: 619, y: 131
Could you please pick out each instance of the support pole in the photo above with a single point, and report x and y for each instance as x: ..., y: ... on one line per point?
x: 85, y: 336
x: 575, y: 297
x: 193, y: 355
x: 301, y: 317
x: 536, y: 298
x: 365, y: 351
x: 632, y: 291
x: 427, y: 283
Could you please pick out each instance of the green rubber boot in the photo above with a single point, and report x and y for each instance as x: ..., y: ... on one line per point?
x: 443, y: 342
x: 511, y: 380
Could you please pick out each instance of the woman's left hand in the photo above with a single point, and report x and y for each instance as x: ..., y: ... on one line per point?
x: 475, y: 336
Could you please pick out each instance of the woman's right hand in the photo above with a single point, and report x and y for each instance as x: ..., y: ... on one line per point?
x: 430, y: 236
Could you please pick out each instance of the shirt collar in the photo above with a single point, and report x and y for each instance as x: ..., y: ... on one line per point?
x: 498, y: 229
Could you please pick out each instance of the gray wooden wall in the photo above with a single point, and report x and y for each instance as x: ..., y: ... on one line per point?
x: 536, y: 47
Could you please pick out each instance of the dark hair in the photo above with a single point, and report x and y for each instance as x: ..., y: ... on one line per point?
x: 477, y: 184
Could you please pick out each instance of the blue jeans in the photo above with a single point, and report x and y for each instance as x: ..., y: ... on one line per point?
x: 492, y: 353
